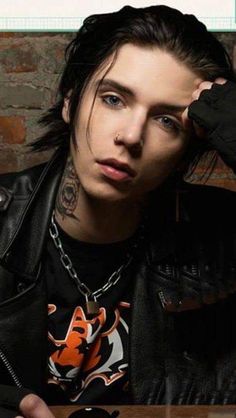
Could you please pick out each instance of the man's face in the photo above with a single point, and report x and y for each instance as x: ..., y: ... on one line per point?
x: 140, y: 102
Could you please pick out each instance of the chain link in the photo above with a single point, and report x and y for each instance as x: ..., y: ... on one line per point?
x: 68, y: 265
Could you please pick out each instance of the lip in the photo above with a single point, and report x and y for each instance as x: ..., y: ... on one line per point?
x: 119, y: 165
x: 116, y: 170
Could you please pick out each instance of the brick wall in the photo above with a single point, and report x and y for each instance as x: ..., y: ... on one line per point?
x: 30, y: 66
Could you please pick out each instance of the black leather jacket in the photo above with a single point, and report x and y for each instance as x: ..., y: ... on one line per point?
x: 183, y: 330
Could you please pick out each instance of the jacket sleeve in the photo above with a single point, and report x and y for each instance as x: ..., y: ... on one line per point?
x: 10, y: 398
x: 215, y: 112
x: 8, y: 413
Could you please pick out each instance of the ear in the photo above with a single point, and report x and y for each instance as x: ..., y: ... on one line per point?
x: 65, y: 110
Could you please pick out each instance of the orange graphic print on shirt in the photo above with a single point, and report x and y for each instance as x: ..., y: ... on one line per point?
x: 91, y: 348
x: 70, y: 350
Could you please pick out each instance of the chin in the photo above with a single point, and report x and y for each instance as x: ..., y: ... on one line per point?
x: 110, y: 197
x: 107, y: 193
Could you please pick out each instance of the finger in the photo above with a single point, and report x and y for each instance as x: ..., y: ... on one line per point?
x: 220, y: 80
x: 34, y: 407
x: 205, y: 85
x: 187, y: 123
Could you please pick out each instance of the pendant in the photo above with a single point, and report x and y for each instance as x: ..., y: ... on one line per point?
x: 92, y: 307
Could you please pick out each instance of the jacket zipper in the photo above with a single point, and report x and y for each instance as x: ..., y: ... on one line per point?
x: 10, y: 370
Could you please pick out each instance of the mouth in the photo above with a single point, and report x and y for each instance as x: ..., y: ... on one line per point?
x: 116, y: 170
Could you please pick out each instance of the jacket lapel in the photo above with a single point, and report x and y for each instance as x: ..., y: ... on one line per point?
x: 35, y: 217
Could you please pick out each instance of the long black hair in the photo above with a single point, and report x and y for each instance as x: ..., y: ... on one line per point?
x: 100, y: 36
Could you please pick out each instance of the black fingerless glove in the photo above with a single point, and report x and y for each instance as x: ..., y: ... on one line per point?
x: 215, y: 111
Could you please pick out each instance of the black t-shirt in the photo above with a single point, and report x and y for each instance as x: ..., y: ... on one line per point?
x: 87, y: 358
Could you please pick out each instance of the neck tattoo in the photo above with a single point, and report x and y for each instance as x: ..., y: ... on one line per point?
x: 68, y: 193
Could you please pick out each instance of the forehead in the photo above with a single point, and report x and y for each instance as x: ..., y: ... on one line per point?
x: 152, y: 74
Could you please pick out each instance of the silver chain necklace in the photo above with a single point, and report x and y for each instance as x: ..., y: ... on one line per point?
x: 92, y: 305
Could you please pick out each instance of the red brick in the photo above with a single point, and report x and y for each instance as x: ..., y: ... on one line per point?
x: 7, y: 34
x: 8, y: 160
x: 12, y: 129
x: 29, y: 159
x: 18, y: 58
x: 55, y: 55
x: 23, y: 96
x: 211, y: 170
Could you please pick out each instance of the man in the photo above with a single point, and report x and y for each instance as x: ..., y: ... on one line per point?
x: 101, y: 253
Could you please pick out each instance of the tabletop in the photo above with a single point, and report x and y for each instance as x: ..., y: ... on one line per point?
x: 156, y: 411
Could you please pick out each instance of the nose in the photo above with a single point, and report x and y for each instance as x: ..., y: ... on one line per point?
x: 131, y: 135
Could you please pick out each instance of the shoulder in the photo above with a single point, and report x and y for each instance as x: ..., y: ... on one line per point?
x: 18, y: 185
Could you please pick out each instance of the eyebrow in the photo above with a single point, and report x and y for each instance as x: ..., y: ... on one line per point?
x: 108, y: 83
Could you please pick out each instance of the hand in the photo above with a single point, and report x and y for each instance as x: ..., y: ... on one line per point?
x: 213, y: 116
x: 204, y: 85
x: 32, y: 406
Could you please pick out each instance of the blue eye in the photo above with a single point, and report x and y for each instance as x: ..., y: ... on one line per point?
x: 112, y: 100
x: 168, y: 123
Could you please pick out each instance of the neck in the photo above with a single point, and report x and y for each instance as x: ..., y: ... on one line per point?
x: 93, y: 220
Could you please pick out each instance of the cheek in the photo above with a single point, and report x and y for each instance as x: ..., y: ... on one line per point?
x: 166, y: 152
x: 103, y: 124
x: 166, y: 161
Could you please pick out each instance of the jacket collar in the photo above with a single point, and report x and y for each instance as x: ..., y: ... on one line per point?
x: 22, y: 250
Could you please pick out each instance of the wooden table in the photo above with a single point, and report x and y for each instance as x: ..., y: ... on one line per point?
x: 158, y: 411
